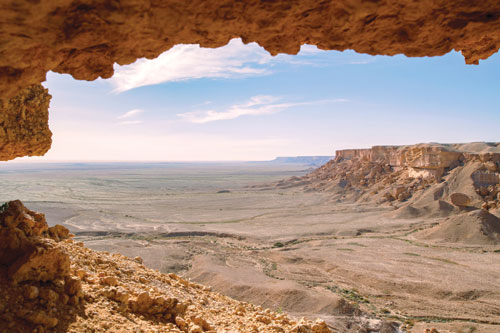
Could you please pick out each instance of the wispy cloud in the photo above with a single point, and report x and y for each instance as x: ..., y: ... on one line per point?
x: 130, y: 114
x: 234, y: 60
x: 184, y: 62
x: 256, y: 106
x: 130, y: 122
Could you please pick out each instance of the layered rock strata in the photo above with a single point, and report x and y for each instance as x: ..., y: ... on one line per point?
x: 48, y: 283
x: 455, y: 173
x: 85, y: 38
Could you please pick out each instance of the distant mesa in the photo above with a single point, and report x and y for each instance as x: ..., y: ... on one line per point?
x: 309, y: 160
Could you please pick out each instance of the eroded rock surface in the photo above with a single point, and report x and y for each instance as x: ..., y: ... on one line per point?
x: 85, y: 38
x: 26, y: 251
x: 24, y: 128
x: 48, y: 283
x: 465, y: 175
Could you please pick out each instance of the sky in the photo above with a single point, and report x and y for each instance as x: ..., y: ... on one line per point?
x: 239, y: 103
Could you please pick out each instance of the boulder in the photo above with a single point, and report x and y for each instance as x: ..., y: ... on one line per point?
x: 491, y: 166
x: 43, y: 262
x: 24, y: 252
x: 460, y: 199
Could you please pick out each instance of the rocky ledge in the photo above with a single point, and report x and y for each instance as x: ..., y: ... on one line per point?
x: 49, y: 283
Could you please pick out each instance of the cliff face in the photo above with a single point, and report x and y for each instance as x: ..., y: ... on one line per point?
x: 464, y: 175
x: 433, y: 158
x: 423, y: 156
x: 85, y: 38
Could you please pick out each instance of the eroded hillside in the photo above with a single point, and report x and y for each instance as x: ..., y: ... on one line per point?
x: 433, y: 180
x: 48, y: 283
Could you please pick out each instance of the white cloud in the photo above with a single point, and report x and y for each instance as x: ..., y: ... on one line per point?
x: 307, y: 49
x: 256, y: 106
x: 184, y: 62
x: 130, y: 114
x: 130, y: 122
x: 234, y: 60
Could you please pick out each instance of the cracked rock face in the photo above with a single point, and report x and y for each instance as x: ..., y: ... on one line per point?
x: 24, y: 127
x: 86, y: 37
x: 25, y: 252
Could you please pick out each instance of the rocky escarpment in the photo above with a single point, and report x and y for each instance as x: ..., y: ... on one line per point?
x: 85, y: 38
x: 459, y: 182
x: 48, y: 283
x: 460, y: 175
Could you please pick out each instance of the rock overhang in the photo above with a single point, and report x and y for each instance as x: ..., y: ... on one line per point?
x: 85, y: 38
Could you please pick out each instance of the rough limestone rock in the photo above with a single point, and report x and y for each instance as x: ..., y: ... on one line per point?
x: 460, y: 199
x: 24, y: 128
x: 43, y: 262
x: 85, y: 38
x: 24, y: 251
x: 423, y: 156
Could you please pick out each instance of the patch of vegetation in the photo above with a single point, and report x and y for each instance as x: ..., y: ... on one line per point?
x: 344, y: 249
x: 351, y: 294
x: 269, y: 268
x: 443, y: 260
x: 278, y: 244
x: 497, y: 251
x: 4, y: 207
x: 412, y: 254
x: 356, y: 244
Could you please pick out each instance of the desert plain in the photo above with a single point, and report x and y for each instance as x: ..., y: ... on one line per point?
x: 359, y: 266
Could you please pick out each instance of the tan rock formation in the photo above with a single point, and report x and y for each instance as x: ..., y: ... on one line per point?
x: 421, y: 156
x: 85, y: 38
x: 69, y: 288
x: 460, y: 199
x: 24, y: 128
x: 425, y: 172
x: 24, y: 251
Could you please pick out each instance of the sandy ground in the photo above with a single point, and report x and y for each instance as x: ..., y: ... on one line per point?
x: 303, y: 253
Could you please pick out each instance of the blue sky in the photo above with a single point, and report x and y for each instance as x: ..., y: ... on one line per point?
x: 239, y: 103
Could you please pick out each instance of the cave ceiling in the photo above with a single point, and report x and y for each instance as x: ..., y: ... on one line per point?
x: 86, y: 38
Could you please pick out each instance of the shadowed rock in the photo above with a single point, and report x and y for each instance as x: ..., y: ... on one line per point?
x: 460, y: 199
